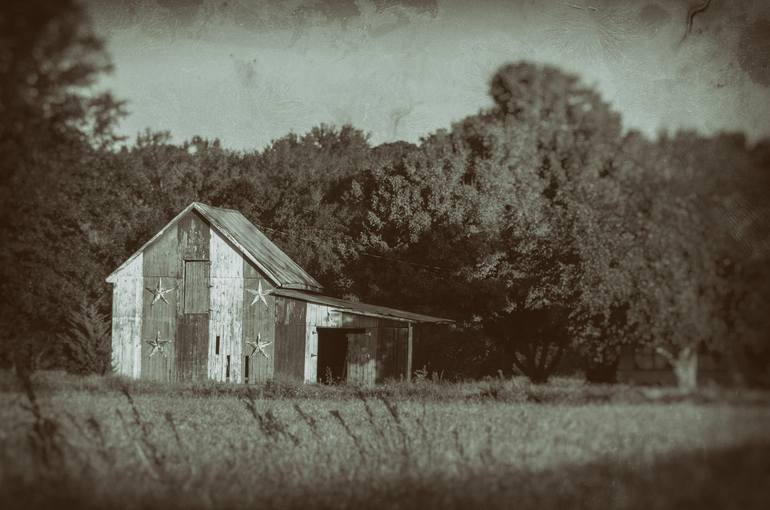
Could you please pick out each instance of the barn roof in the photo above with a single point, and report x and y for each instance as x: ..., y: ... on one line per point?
x: 250, y: 241
x: 289, y: 278
x: 360, y: 308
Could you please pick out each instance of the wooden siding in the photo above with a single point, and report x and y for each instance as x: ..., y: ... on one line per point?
x: 226, y: 310
x: 392, y: 352
x: 196, y: 286
x: 409, y: 352
x: 192, y: 332
x: 362, y: 358
x: 324, y: 316
x: 127, y: 295
x: 193, y: 235
x: 160, y: 265
x: 290, y: 327
x: 311, y: 342
x: 258, y: 319
x: 192, y: 347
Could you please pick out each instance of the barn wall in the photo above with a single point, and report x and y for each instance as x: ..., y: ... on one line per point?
x: 258, y: 320
x: 226, y: 310
x: 290, y: 328
x: 192, y: 312
x: 127, y: 295
x: 380, y: 352
x: 160, y: 266
x: 392, y: 352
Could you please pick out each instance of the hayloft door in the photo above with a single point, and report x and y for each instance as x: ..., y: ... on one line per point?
x: 196, y: 286
x: 192, y: 348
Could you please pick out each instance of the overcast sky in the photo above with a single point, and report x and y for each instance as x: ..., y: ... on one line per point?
x: 247, y: 72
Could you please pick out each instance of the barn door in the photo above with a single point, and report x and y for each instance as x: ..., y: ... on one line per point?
x: 196, y: 286
x: 192, y: 346
x: 362, y: 358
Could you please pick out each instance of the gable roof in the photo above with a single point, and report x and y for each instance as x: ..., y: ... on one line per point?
x: 360, y: 308
x: 280, y: 269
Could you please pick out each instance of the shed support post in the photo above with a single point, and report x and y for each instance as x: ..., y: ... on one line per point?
x: 409, y: 346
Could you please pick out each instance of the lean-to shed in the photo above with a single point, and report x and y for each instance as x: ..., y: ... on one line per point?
x: 211, y: 297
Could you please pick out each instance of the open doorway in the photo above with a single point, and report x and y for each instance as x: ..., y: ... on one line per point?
x: 332, y: 360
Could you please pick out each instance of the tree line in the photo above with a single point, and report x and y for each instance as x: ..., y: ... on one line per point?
x: 546, y: 230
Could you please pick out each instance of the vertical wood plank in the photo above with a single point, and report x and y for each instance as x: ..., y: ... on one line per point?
x: 192, y: 349
x: 226, y: 315
x: 160, y: 265
x: 311, y: 344
x: 196, y: 286
x: 193, y: 240
x: 362, y: 358
x: 409, y: 349
x: 258, y: 319
x: 193, y: 237
x: 127, y: 301
x: 386, y: 359
x: 290, y: 338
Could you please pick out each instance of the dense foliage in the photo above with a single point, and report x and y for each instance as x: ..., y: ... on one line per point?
x: 541, y: 227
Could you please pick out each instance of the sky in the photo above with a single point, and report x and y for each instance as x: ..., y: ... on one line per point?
x: 248, y: 72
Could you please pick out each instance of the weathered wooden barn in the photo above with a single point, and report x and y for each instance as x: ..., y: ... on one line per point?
x: 211, y: 297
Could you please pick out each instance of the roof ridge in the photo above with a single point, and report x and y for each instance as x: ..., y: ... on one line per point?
x: 217, y: 207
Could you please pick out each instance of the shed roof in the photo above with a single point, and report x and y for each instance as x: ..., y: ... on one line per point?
x: 360, y: 308
x: 250, y: 241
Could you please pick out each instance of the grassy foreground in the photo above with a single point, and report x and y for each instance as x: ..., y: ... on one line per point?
x: 103, y: 442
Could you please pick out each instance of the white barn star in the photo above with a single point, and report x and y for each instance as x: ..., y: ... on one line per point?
x: 259, y: 346
x: 158, y: 345
x: 159, y: 292
x: 259, y: 294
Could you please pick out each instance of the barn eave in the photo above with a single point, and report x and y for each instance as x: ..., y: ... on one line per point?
x: 358, y: 308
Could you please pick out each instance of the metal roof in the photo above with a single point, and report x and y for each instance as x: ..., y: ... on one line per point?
x: 256, y: 246
x: 360, y: 308
x: 290, y: 279
x: 280, y: 269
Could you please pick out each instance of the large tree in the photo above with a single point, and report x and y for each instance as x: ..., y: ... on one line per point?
x: 549, y: 145
x: 510, y: 222
x: 50, y: 127
x: 699, y: 248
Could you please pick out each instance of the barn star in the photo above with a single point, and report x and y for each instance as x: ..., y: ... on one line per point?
x: 159, y: 292
x: 259, y: 345
x: 158, y: 345
x: 259, y: 294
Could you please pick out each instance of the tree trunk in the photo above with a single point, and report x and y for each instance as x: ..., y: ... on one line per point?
x: 686, y: 369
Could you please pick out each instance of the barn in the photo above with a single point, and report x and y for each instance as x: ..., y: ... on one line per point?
x: 210, y: 297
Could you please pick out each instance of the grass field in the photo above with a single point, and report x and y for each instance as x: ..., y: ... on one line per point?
x: 105, y: 442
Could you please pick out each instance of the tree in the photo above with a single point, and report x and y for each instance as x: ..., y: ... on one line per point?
x: 508, y: 222
x: 549, y: 145
x: 694, y: 259
x: 293, y: 189
x: 49, y: 131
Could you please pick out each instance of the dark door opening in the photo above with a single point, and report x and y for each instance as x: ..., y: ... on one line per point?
x: 333, y: 354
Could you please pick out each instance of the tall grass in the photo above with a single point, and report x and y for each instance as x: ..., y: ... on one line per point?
x: 114, y: 443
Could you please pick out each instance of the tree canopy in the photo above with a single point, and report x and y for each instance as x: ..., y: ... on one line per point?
x: 547, y: 231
